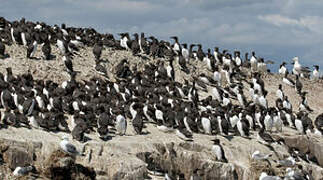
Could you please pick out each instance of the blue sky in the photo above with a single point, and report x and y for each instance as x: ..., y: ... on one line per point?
x: 276, y: 30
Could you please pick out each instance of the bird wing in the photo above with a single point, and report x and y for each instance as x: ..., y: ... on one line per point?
x: 267, y: 137
x: 71, y: 148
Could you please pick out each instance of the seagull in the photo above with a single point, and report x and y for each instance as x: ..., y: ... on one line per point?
x: 294, y: 174
x: 67, y: 147
x: 288, y: 162
x: 298, y: 69
x: 264, y: 176
x: 258, y: 156
x: 21, y: 171
x: 297, y: 66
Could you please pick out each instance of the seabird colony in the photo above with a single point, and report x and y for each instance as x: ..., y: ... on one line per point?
x: 152, y: 95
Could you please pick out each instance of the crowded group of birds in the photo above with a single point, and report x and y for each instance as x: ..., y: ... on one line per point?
x: 154, y: 94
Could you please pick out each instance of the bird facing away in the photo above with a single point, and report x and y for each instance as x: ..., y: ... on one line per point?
x: 67, y: 147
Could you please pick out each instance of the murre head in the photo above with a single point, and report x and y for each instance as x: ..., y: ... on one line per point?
x: 175, y: 38
x: 216, y: 141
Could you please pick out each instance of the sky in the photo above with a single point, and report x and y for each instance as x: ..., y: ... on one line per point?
x: 276, y: 30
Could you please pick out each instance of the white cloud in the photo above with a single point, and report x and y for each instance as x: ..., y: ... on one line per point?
x: 313, y: 23
x: 278, y: 20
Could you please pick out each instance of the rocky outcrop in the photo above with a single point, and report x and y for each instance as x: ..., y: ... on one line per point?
x: 60, y: 166
x: 306, y: 145
x: 138, y: 160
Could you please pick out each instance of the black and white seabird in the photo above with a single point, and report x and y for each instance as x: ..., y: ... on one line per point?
x: 7, y: 100
x: 277, y: 122
x: 68, y: 63
x: 253, y: 62
x: 300, y: 122
x: 121, y: 125
x: 176, y: 46
x: 143, y: 44
x: 243, y: 127
x: 262, y: 100
x: 125, y: 40
x: 46, y: 49
x: 217, y: 76
x: 206, y: 124
x: 185, y: 53
x: 64, y: 30
x: 280, y: 93
x: 282, y: 69
x: 268, y: 120
x: 170, y: 70
x: 200, y: 53
x: 237, y: 59
x: 182, y: 62
x: 287, y: 104
x: 137, y: 122
x: 303, y: 106
x: 264, y: 137
x: 8, y: 77
x: 31, y: 48
x: 224, y: 124
x: 241, y: 98
x: 103, y: 132
x: 183, y: 133
x: 315, y: 73
x: 135, y: 47
x: 100, y: 69
x: 288, y: 81
x: 319, y: 122
x: 218, y: 150
x: 61, y: 43
x: 217, y: 55
x: 2, y: 49
x: 97, y: 50
x: 298, y: 85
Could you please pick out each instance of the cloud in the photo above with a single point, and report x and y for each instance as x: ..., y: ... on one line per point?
x: 313, y: 23
x: 278, y: 20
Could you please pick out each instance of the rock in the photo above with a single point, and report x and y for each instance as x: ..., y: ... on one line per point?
x: 306, y: 144
x: 60, y: 165
x: 17, y: 157
x: 300, y: 142
x: 316, y: 149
